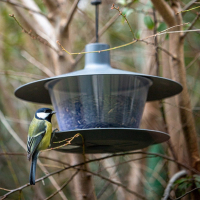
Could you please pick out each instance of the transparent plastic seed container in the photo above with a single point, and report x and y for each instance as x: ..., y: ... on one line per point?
x: 99, y: 101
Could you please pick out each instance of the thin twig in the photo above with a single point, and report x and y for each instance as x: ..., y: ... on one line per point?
x: 191, y: 25
x: 52, y: 166
x: 154, y: 174
x: 160, y: 48
x: 124, y: 16
x: 16, y: 120
x: 21, y: 74
x: 116, y: 155
x: 187, y: 193
x: 140, y: 152
x: 4, y: 189
x: 40, y: 156
x: 70, y: 17
x: 134, y: 41
x: 35, y: 36
x: 86, y: 15
x: 98, y: 159
x: 142, y: 11
x: 13, y: 154
x: 24, y: 7
x: 64, y: 163
x: 181, y: 107
x: 101, y: 32
x: 11, y: 131
x: 75, y: 167
x: 103, y: 189
x: 178, y: 25
x: 42, y: 40
x: 171, y: 148
x: 187, y: 10
x: 193, y: 61
x: 39, y: 65
x: 117, y: 183
x: 182, y: 31
x: 67, y: 142
x: 127, y: 161
x: 9, y: 165
x: 189, y: 5
x: 156, y: 42
x: 64, y: 185
x: 124, y: 45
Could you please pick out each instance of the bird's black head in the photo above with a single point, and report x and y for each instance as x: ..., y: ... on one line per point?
x: 44, y: 114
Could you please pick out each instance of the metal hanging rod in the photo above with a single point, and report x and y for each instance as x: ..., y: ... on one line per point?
x: 96, y: 3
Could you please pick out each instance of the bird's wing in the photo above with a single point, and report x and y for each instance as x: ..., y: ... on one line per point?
x: 33, y: 142
x: 36, y: 133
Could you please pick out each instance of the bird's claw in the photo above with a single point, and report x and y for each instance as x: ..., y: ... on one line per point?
x: 54, y: 131
x: 53, y: 135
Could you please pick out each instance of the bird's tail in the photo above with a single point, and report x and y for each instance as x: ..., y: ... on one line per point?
x: 33, y: 168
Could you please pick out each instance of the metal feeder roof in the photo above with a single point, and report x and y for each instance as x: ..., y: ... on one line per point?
x: 102, y: 139
x: 97, y: 63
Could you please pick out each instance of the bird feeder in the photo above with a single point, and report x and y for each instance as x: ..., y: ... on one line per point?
x: 103, y: 104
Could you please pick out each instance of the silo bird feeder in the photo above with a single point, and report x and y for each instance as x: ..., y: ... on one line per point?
x: 103, y: 104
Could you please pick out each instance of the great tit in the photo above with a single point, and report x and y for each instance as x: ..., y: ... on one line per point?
x: 39, y: 137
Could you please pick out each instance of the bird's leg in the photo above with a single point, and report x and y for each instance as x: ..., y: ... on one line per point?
x: 53, y: 135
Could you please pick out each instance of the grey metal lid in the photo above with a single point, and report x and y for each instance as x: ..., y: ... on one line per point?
x: 97, y: 63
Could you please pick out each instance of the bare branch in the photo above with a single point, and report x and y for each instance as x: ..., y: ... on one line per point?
x: 35, y: 36
x: 115, y: 155
x: 44, y: 27
x: 156, y: 43
x: 187, y: 193
x: 124, y: 16
x: 191, y: 26
x: 101, y: 32
x: 98, y: 159
x: 193, y: 61
x: 75, y: 166
x: 65, y: 24
x: 171, y: 182
x: 189, y: 5
x: 13, y: 154
x: 21, y: 74
x: 39, y: 65
x: 4, y: 189
x: 165, y: 11
x: 118, y: 184
x: 24, y: 7
x: 110, y: 166
x: 64, y: 185
x: 161, y: 48
x: 11, y: 131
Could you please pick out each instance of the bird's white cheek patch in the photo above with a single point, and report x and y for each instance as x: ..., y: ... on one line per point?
x: 42, y: 115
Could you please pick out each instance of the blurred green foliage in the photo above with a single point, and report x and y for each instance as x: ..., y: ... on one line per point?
x: 14, y: 170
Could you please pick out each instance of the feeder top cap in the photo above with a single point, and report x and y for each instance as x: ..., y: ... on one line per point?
x: 97, y: 62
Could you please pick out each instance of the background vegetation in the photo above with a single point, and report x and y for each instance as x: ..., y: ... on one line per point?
x: 30, y: 52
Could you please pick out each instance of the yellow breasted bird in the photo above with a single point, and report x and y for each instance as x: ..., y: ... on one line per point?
x: 39, y: 137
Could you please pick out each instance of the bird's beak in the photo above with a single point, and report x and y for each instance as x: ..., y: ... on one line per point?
x: 53, y: 112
